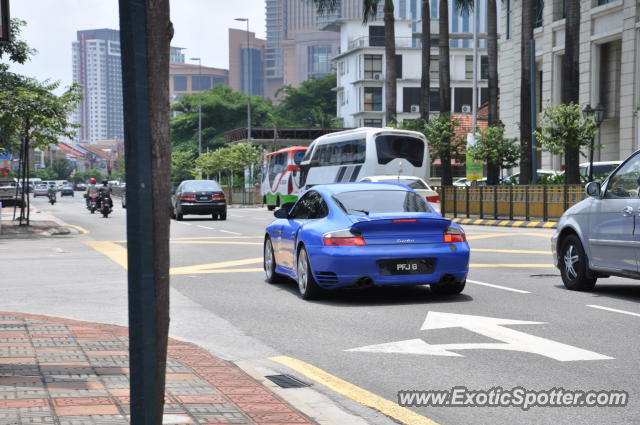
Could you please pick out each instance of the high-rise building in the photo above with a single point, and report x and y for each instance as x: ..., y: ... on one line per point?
x: 97, y: 68
x: 246, y: 62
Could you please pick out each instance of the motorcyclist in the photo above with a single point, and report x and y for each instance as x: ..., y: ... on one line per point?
x: 92, y: 190
x: 104, y: 191
x: 51, y: 192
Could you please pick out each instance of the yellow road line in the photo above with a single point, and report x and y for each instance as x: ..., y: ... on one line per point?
x: 511, y: 265
x: 78, y: 228
x: 465, y: 221
x: 549, y: 224
x: 360, y: 395
x: 533, y: 223
x: 206, y: 268
x: 490, y: 222
x: 216, y: 243
x: 517, y: 223
x: 116, y: 253
x: 510, y: 251
x: 478, y: 221
x: 503, y: 223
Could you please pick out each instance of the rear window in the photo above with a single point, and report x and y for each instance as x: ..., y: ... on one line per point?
x: 368, y: 202
x: 201, y: 185
x: 390, y: 147
x: 412, y: 183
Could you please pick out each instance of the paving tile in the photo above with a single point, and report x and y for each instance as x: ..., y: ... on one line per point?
x: 181, y: 376
x: 17, y: 360
x: 264, y: 407
x: 16, y: 404
x: 112, y: 370
x: 200, y: 399
x: 75, y: 385
x: 12, y: 380
x: 82, y: 401
x: 86, y: 410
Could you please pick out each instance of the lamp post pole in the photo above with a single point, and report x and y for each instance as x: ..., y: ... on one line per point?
x: 199, y: 106
x: 249, y: 93
x: 587, y: 112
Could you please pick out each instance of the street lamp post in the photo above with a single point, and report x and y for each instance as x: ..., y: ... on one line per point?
x: 598, y: 112
x: 249, y: 93
x: 199, y: 106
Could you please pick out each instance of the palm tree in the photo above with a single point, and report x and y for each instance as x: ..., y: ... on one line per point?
x: 525, y: 90
x: 425, y: 95
x: 369, y: 12
x: 571, y: 80
x: 493, y: 170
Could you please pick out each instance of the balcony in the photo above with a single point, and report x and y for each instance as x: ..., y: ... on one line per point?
x: 361, y: 42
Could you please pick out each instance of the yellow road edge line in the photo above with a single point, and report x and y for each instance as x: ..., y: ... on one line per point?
x: 490, y: 222
x: 549, y: 224
x: 503, y: 223
x: 78, y: 228
x: 478, y: 221
x: 115, y: 252
x: 200, y: 268
x: 510, y: 251
x: 517, y: 223
x: 532, y: 224
x: 360, y: 395
x: 511, y: 265
x: 465, y: 221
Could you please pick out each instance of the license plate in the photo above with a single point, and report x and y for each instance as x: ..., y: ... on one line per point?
x: 407, y: 266
x: 204, y: 198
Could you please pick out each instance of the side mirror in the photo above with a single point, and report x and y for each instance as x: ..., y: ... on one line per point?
x: 593, y: 189
x: 281, y: 213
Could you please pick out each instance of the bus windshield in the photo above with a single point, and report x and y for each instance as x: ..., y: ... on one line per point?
x: 390, y: 147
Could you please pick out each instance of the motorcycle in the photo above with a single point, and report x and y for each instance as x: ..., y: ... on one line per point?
x: 106, y: 206
x: 52, y: 198
x: 93, y: 204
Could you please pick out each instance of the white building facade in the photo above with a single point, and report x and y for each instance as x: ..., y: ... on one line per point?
x: 609, y: 69
x: 360, y: 68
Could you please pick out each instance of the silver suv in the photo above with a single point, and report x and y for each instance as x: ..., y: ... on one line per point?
x: 600, y: 236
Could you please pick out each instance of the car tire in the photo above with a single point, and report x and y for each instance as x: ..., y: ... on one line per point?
x: 222, y: 216
x: 215, y: 216
x: 309, y: 289
x: 574, y: 265
x: 269, y: 262
x: 271, y: 207
x: 449, y: 288
x: 179, y: 215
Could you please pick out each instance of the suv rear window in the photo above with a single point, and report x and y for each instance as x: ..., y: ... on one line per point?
x: 390, y: 147
x: 368, y: 202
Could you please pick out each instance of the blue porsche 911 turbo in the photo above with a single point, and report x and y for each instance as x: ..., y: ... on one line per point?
x: 361, y: 235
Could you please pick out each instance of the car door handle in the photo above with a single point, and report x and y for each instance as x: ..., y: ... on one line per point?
x: 627, y: 211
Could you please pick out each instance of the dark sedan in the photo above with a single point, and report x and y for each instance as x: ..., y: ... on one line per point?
x: 200, y: 197
x: 66, y: 191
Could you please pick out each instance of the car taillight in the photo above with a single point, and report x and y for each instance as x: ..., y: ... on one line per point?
x: 218, y: 197
x: 405, y: 220
x: 290, y: 185
x: 345, y: 237
x: 188, y: 197
x: 454, y: 234
x: 435, y: 198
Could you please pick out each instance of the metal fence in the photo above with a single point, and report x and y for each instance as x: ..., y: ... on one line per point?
x: 510, y: 202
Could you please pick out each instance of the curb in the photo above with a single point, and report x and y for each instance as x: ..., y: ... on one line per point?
x: 506, y: 223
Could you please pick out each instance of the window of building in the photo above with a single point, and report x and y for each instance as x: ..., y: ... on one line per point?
x: 398, y: 66
x: 376, y: 36
x: 463, y: 99
x: 319, y: 60
x: 372, y: 66
x: 559, y: 9
x: 468, y: 67
x: 200, y: 82
x: 509, y: 18
x: 610, y: 59
x: 179, y: 83
x: 484, y: 67
x: 373, y: 98
x: 538, y: 13
x: 411, y: 96
x: 341, y: 67
x: 370, y: 122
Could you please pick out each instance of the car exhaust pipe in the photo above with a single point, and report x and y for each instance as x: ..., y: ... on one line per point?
x: 447, y: 278
x: 364, y: 282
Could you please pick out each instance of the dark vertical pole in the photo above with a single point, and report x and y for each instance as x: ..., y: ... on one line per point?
x: 534, y: 115
x: 443, y: 200
x: 455, y: 201
x: 545, y: 214
x: 495, y: 202
x: 481, y: 202
x: 565, y: 197
x: 143, y: 315
x: 511, y: 202
x: 526, y: 202
x: 466, y: 191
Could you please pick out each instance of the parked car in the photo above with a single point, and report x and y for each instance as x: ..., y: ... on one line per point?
x: 8, y: 191
x: 40, y: 190
x: 66, y: 190
x: 80, y: 187
x: 515, y: 178
x: 464, y: 182
x: 600, y: 168
x: 202, y: 197
x: 597, y: 237
x: 416, y: 183
x: 342, y: 235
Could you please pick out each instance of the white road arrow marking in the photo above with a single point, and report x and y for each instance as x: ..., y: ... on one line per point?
x: 490, y: 327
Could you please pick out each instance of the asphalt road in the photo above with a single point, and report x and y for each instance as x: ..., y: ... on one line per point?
x: 580, y: 341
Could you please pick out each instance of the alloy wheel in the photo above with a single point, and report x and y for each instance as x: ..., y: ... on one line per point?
x: 302, y: 272
x: 268, y: 259
x: 571, y: 260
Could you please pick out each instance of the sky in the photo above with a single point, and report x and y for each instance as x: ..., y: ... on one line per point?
x: 200, y: 26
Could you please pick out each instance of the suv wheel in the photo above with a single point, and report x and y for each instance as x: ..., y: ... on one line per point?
x: 574, y: 265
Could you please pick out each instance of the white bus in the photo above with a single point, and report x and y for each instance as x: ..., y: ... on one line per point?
x: 278, y: 184
x: 348, y: 156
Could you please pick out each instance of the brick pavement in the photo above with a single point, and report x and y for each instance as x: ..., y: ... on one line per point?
x: 65, y: 372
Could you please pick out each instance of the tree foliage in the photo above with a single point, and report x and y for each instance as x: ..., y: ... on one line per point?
x: 231, y: 159
x: 313, y: 104
x: 563, y: 125
x: 182, y: 166
x: 62, y: 168
x: 492, y: 147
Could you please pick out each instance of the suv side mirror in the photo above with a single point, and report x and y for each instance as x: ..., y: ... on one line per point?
x: 593, y: 189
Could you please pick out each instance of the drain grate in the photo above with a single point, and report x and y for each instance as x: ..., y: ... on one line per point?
x: 287, y: 381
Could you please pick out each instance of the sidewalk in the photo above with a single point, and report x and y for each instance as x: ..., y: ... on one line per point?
x: 38, y: 227
x: 67, y: 372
